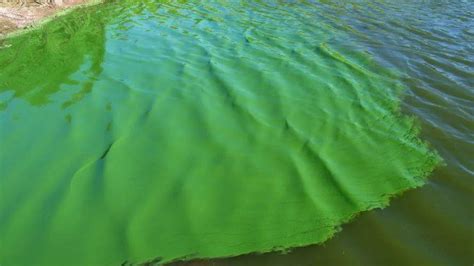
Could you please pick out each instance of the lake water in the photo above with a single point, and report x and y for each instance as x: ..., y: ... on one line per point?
x: 431, y: 42
x: 135, y: 130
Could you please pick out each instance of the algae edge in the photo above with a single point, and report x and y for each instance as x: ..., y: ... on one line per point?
x: 434, y: 162
x: 431, y: 161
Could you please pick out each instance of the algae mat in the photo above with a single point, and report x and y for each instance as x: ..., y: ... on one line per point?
x: 146, y: 130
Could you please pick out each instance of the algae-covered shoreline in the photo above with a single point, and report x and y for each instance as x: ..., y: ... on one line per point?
x: 223, y: 140
x: 16, y: 19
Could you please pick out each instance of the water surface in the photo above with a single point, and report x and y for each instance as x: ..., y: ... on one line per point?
x: 113, y: 116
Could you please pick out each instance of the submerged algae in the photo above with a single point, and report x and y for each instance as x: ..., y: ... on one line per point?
x: 157, y: 129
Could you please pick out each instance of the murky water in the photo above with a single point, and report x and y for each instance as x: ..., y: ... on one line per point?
x: 132, y: 90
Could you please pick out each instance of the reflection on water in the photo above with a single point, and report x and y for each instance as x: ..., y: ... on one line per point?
x: 113, y: 93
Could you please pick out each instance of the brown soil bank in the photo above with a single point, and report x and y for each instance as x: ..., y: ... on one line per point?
x: 20, y: 14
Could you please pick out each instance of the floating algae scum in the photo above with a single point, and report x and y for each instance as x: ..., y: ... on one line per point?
x: 145, y: 130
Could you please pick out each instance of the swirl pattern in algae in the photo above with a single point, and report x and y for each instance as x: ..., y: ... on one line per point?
x: 138, y: 130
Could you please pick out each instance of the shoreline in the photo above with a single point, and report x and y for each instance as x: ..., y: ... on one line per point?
x: 15, y: 20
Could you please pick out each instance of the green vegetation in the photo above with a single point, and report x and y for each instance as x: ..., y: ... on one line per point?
x: 132, y: 131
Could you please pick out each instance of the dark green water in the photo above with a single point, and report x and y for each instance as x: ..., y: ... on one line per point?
x: 143, y: 129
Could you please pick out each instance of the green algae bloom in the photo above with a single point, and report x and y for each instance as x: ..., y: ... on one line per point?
x: 155, y: 130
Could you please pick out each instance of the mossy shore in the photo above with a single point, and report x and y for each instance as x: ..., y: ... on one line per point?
x: 17, y: 18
